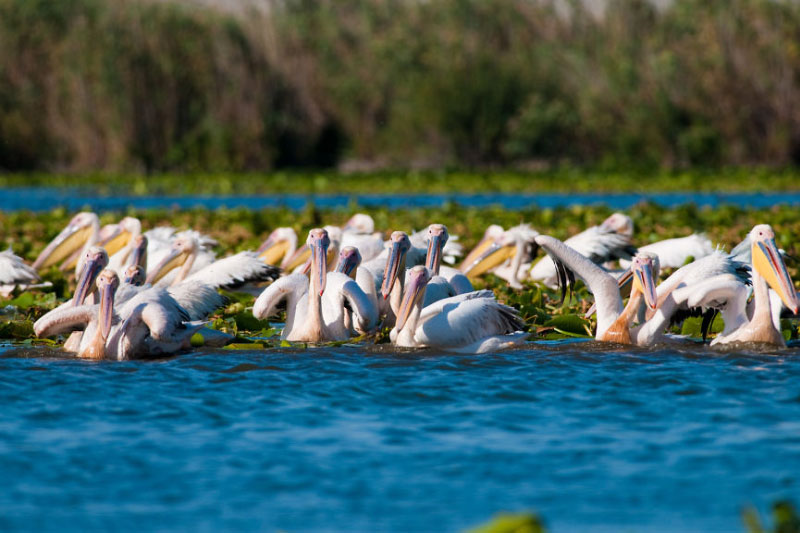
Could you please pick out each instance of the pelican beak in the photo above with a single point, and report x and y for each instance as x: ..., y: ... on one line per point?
x: 174, y: 259
x: 493, y: 255
x: 392, y: 269
x: 319, y: 259
x: 117, y: 240
x: 475, y: 253
x: 645, y: 282
x: 414, y: 291
x: 139, y: 252
x: 86, y: 283
x: 298, y: 258
x: 108, y: 287
x: 273, y: 250
x: 64, y: 245
x: 434, y: 257
x: 769, y: 263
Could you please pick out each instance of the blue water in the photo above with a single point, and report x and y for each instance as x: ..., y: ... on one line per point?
x: 358, y: 438
x: 44, y: 199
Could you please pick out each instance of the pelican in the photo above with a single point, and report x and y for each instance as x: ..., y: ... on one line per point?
x: 473, y: 322
x: 360, y: 233
x: 150, y: 323
x: 613, y: 321
x: 230, y: 272
x: 122, y: 242
x: 606, y: 242
x: 300, y: 261
x: 81, y: 232
x: 15, y: 273
x: 673, y: 253
x: 279, y: 247
x: 768, y: 271
x: 437, y: 240
x: 508, y: 255
x: 343, y: 294
x: 160, y: 243
x: 309, y: 316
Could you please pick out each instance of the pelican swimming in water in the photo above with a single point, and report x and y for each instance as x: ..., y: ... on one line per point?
x: 467, y: 323
x: 730, y: 294
x: 614, y: 323
x: 15, y: 273
x: 151, y: 323
x: 311, y: 317
x: 508, y: 255
x: 82, y: 232
x: 609, y: 241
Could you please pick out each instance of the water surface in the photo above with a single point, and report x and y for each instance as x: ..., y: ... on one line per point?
x: 45, y: 199
x: 364, y: 439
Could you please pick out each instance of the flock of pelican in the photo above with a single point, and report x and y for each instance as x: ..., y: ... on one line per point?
x: 141, y: 294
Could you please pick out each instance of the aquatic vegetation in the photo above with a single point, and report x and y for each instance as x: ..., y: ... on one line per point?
x: 511, y: 523
x: 240, y: 229
x: 784, y: 519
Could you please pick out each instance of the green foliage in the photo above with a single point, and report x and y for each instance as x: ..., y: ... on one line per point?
x: 91, y: 85
x: 511, y: 523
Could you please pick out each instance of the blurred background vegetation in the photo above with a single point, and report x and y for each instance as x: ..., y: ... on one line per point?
x: 153, y: 86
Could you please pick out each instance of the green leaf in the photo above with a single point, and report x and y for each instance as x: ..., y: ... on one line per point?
x: 572, y: 325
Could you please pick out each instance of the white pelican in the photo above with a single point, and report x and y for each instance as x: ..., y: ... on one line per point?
x: 309, y: 316
x: 159, y: 245
x: 437, y: 240
x: 606, y: 242
x: 613, y: 321
x: 279, y: 247
x: 450, y: 252
x: 673, y: 253
x: 121, y: 243
x: 768, y: 271
x: 95, y: 260
x: 150, y: 323
x: 508, y: 255
x: 15, y: 273
x: 347, y: 309
x: 230, y: 272
x: 467, y: 323
x: 360, y: 233
x: 82, y: 232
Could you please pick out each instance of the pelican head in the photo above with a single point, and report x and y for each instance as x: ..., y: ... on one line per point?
x: 139, y: 251
x: 645, y: 269
x: 400, y: 244
x: 349, y: 259
x: 768, y: 263
x: 121, y: 235
x: 134, y: 275
x: 69, y: 240
x: 318, y: 242
x: 181, y: 250
x: 278, y: 247
x: 492, y: 232
x: 360, y: 223
x: 519, y: 239
x: 95, y: 260
x: 618, y: 223
x: 437, y: 238
x: 418, y: 278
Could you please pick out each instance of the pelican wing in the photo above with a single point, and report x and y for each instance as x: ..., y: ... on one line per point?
x: 199, y: 300
x: 65, y: 319
x: 234, y: 271
x: 14, y: 271
x: 601, y: 245
x: 463, y: 322
x: 361, y: 304
x: 461, y: 284
x: 673, y: 253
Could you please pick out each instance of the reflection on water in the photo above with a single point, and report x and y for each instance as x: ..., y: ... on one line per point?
x: 362, y: 438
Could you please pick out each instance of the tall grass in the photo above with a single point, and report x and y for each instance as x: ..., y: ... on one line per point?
x: 131, y: 85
